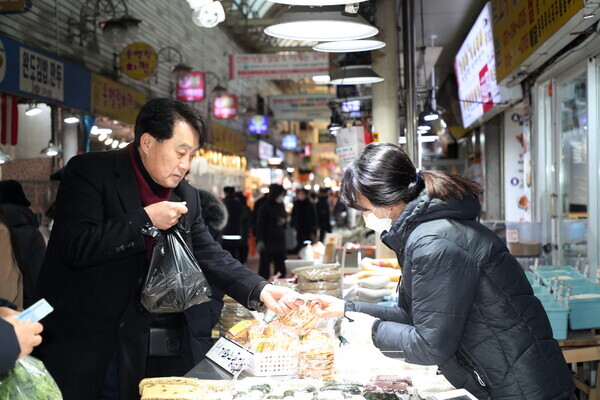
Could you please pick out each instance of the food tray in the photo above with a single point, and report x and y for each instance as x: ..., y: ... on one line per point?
x: 569, y: 277
x: 274, y: 363
x: 585, y: 313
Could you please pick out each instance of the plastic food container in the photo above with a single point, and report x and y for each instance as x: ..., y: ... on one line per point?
x: 585, y: 313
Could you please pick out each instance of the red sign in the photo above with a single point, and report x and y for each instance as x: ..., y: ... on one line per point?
x: 190, y: 86
x: 225, y: 106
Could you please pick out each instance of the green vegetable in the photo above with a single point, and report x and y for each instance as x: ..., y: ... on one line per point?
x: 261, y: 388
x: 288, y: 393
x: 28, y: 380
x: 239, y: 394
x: 380, y: 396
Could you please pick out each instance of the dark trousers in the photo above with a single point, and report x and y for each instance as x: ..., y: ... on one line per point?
x: 301, y: 237
x: 243, y: 253
x: 264, y: 265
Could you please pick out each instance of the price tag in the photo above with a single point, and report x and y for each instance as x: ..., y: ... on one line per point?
x: 230, y: 356
x: 512, y: 236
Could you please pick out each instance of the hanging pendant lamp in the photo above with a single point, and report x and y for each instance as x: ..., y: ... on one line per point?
x: 355, y: 75
x: 349, y: 46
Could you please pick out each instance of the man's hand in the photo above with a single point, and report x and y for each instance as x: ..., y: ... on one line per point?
x: 166, y: 213
x: 7, y: 312
x: 326, y: 306
x: 280, y: 300
x: 28, y: 334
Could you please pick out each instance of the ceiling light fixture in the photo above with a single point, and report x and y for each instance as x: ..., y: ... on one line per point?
x: 4, y: 157
x: 108, y: 141
x: 114, y: 144
x: 51, y: 150
x: 207, y: 13
x: 355, y: 75
x: 119, y: 31
x: 71, y: 119
x: 32, y: 110
x: 327, y: 23
x: 102, y: 137
x: 314, y: 2
x: 349, y: 46
x: 321, y: 79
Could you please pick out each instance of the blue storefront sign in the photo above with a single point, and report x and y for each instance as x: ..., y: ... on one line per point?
x: 28, y: 72
x: 258, y: 124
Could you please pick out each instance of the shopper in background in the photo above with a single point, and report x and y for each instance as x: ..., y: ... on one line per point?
x: 245, y: 220
x: 270, y: 233
x: 232, y: 232
x: 304, y: 219
x: 96, y: 341
x: 30, y: 243
x: 17, y: 338
x: 11, y: 278
x: 464, y: 301
x: 257, y: 204
x: 323, y: 213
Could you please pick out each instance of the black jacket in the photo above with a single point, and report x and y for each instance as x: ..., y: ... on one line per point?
x: 9, y: 344
x: 93, y: 269
x: 234, y: 221
x: 30, y: 245
x: 323, y: 213
x: 270, y: 227
x: 466, y: 306
x: 304, y: 216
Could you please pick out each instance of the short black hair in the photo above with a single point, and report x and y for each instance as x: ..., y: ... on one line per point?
x: 158, y: 116
x: 229, y: 190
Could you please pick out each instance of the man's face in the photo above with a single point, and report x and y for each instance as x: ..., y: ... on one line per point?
x: 301, y: 196
x: 168, y: 161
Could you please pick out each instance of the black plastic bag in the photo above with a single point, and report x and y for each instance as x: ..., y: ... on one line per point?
x: 174, y: 281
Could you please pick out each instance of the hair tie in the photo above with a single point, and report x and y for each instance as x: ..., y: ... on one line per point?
x: 417, y: 177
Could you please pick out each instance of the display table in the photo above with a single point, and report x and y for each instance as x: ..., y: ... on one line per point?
x: 579, y: 347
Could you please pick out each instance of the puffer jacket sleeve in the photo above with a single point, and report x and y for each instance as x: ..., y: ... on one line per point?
x: 385, y: 313
x: 444, y: 286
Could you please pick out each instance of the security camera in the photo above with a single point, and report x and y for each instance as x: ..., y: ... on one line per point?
x: 207, y: 13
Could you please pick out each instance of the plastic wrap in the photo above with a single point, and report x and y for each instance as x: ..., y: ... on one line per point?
x: 316, y: 356
x: 174, y: 281
x: 28, y: 380
x: 232, y: 313
x: 320, y: 279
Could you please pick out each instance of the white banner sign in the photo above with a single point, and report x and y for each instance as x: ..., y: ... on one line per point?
x: 475, y: 66
x: 278, y: 66
x: 301, y: 107
x: 516, y: 202
x: 350, y: 143
x: 41, y: 75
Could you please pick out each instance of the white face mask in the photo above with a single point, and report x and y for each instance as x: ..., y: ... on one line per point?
x: 378, y: 224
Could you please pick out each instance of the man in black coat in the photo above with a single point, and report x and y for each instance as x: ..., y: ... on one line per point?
x: 96, y: 340
x: 232, y: 232
x: 30, y: 242
x: 304, y: 219
x: 270, y: 233
x: 323, y: 213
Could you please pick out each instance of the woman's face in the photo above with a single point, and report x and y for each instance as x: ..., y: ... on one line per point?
x: 380, y: 212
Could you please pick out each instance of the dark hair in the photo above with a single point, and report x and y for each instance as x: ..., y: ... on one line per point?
x: 302, y: 190
x: 241, y: 197
x: 275, y: 190
x: 158, y: 116
x: 229, y: 190
x: 385, y: 175
x: 11, y: 192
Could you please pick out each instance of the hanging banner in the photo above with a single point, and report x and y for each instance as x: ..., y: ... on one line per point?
x: 115, y: 100
x: 14, y: 6
x: 190, y: 86
x: 31, y: 73
x: 278, y: 66
x: 138, y: 60
x: 516, y: 202
x: 520, y: 28
x: 475, y: 68
x: 350, y: 143
x: 226, y: 139
x: 301, y: 107
x: 41, y: 75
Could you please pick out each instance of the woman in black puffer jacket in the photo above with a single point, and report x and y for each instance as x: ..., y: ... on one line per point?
x: 464, y: 301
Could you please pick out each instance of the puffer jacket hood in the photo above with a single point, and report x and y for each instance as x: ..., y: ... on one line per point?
x: 216, y: 212
x: 424, y: 209
x: 465, y: 305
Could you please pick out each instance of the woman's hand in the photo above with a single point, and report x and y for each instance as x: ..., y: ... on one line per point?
x: 326, y: 306
x: 28, y: 334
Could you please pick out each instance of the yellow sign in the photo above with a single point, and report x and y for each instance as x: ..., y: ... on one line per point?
x: 520, y: 27
x: 115, y: 100
x: 14, y: 6
x: 138, y: 60
x: 226, y: 139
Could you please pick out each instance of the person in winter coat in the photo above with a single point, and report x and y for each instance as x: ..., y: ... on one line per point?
x: 17, y: 338
x: 11, y: 278
x: 304, y: 219
x: 232, y: 232
x: 30, y: 243
x: 270, y: 233
x: 246, y: 217
x: 464, y: 303
x: 323, y: 213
